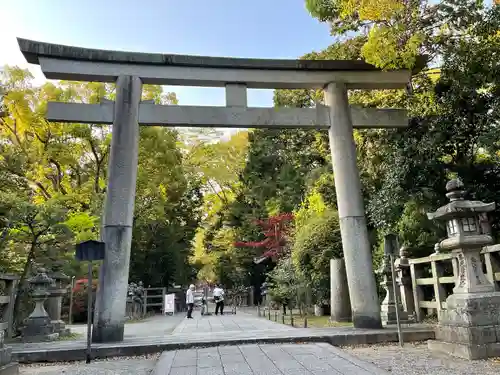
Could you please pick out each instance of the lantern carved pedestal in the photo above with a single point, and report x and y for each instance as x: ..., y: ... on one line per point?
x: 38, y: 325
x: 470, y: 326
x: 388, y: 305
x: 53, y: 305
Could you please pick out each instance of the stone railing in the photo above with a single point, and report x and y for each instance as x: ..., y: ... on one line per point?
x: 433, y: 278
x: 8, y: 286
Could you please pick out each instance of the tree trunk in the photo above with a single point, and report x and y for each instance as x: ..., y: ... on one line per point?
x: 22, y: 281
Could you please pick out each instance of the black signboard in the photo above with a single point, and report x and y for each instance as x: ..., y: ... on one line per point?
x: 90, y: 251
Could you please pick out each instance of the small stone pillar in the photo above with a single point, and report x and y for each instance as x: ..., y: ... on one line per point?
x: 38, y: 325
x: 469, y: 327
x: 53, y: 305
x: 340, y: 303
x: 403, y: 279
x: 388, y: 305
x: 7, y: 367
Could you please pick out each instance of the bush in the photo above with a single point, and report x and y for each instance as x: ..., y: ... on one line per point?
x: 80, y: 300
x: 284, y: 283
x: 316, y: 242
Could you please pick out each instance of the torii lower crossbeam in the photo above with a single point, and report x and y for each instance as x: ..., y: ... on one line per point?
x: 131, y: 70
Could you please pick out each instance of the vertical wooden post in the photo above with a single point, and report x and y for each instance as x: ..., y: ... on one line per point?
x: 89, y: 314
x: 145, y: 303
x: 70, y: 314
x: 164, y: 295
x: 9, y: 314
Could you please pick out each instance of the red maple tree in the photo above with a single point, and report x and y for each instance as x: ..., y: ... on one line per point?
x: 275, y: 230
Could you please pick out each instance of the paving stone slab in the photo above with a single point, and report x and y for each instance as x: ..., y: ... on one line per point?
x: 277, y: 359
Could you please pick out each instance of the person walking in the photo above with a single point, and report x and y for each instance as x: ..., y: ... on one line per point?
x: 218, y: 294
x: 190, y: 301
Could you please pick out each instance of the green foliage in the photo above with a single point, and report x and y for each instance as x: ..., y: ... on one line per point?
x: 53, y: 176
x: 284, y: 283
x: 315, y: 243
x: 196, y: 196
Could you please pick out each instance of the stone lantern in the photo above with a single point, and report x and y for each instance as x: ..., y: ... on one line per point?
x: 38, y: 325
x: 57, y: 290
x: 468, y: 327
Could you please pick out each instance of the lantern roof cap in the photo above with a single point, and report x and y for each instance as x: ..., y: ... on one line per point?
x: 458, y: 206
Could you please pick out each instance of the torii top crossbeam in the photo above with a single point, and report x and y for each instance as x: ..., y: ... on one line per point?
x: 83, y: 64
x: 236, y: 74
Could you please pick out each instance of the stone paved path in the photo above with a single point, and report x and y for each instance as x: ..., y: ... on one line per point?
x: 229, y: 323
x: 269, y: 359
x: 154, y: 326
x: 158, y: 333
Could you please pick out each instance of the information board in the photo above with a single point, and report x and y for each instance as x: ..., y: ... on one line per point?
x: 169, y: 307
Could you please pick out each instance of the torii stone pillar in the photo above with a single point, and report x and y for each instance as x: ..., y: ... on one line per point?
x: 355, y: 242
x: 119, y: 212
x: 129, y: 70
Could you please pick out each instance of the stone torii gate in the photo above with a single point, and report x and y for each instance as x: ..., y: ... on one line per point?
x: 131, y: 70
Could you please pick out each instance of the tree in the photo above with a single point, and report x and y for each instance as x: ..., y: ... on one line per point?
x: 67, y: 163
x: 397, y: 32
x: 38, y: 235
x: 275, y: 230
x: 218, y: 163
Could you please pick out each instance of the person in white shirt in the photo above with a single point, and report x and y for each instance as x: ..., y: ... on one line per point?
x: 190, y: 301
x: 218, y: 294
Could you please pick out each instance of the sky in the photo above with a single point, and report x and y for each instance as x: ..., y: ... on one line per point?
x: 233, y: 28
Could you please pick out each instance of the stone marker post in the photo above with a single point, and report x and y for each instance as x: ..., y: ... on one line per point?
x: 119, y: 212
x: 470, y: 325
x: 357, y: 252
x: 340, y: 305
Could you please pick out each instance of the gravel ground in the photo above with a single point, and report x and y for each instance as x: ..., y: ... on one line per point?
x: 416, y: 359
x: 113, y: 366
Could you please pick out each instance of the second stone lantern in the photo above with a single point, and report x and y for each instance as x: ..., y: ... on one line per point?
x: 470, y: 325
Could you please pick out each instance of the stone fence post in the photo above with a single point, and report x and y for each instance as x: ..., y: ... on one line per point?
x: 403, y: 280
